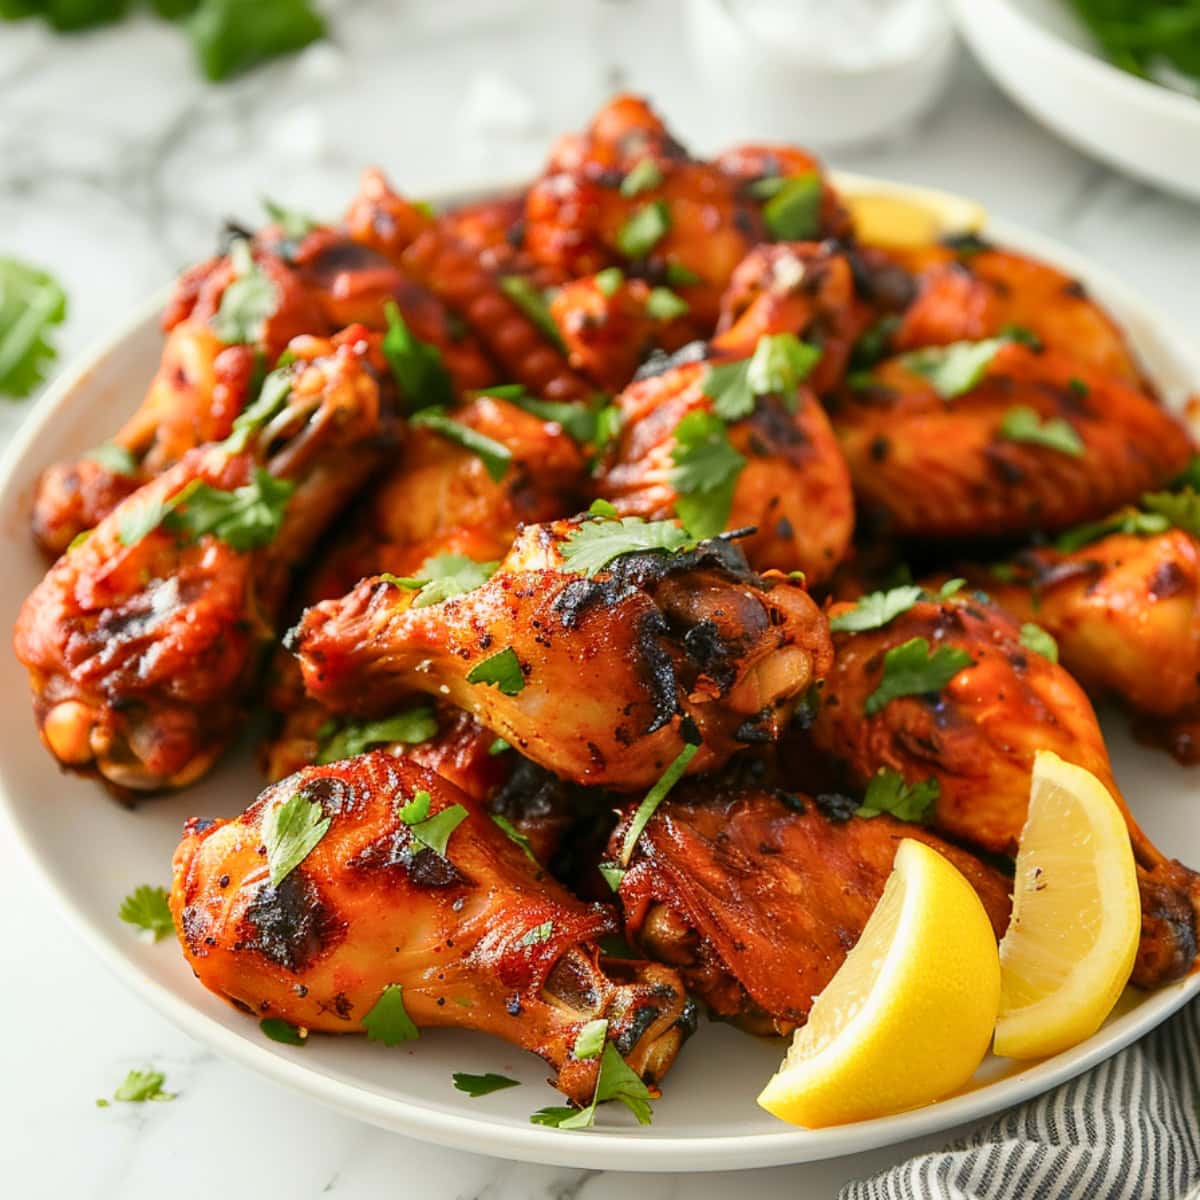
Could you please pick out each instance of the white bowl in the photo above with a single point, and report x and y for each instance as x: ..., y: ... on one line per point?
x: 1045, y: 60
x: 90, y: 853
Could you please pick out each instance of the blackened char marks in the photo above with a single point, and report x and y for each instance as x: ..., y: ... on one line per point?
x: 288, y: 924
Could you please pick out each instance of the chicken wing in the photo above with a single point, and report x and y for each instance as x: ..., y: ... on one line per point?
x: 652, y: 649
x: 977, y: 737
x: 141, y: 642
x: 755, y: 895
x: 473, y: 935
x: 981, y: 463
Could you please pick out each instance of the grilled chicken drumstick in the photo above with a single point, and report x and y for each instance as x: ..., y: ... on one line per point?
x: 467, y: 932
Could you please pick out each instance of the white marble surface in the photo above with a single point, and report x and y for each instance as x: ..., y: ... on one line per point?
x: 116, y: 166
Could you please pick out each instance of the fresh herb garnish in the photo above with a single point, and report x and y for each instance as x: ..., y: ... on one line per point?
x: 910, y: 669
x: 538, y: 934
x: 1035, y: 638
x: 680, y: 276
x: 654, y: 797
x: 876, y: 609
x: 590, y: 1040
x: 705, y: 473
x: 579, y: 421
x: 31, y: 302
x: 115, y: 459
x: 293, y: 223
x: 482, y: 1085
x: 248, y: 302
x: 615, y: 1081
x: 338, y: 740
x: 594, y: 544
x: 779, y: 364
x: 279, y: 1030
x: 501, y: 670
x: 272, y: 396
x: 515, y: 836
x: 888, y: 793
x: 1130, y: 521
x: 793, y: 212
x: 245, y: 518
x: 874, y: 343
x: 956, y: 368
x: 644, y: 177
x: 433, y: 832
x: 417, y: 367
x: 290, y: 832
x: 137, y: 517
x: 533, y: 304
x: 1180, y: 509
x: 444, y: 576
x: 499, y: 746
x: 1156, y: 39
x: 494, y: 455
x: 1023, y: 424
x: 609, y: 281
x: 147, y: 908
x: 664, y: 305
x: 644, y: 229
x: 388, y: 1021
x: 138, y: 1087
x: 230, y: 36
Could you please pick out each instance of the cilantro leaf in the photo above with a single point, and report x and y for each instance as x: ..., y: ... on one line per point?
x: 137, y: 516
x: 911, y: 670
x: 346, y: 739
x: 644, y: 229
x: 147, y: 908
x: 705, y: 473
x: 956, y: 368
x: 594, y: 544
x: 1130, y: 521
x: 501, y: 670
x: 888, y: 793
x: 538, y: 934
x: 444, y: 576
x: 499, y: 746
x: 515, y: 835
x: 779, y: 364
x: 31, y: 302
x: 272, y: 396
x: 245, y: 518
x: 1023, y: 424
x: 950, y: 588
x: 292, y: 223
x: 609, y: 281
x: 417, y: 809
x: 1035, y: 638
x: 664, y: 305
x: 793, y: 213
x: 434, y: 832
x: 654, y: 797
x: 248, y: 303
x: 229, y: 36
x: 140, y: 1086
x: 279, y: 1030
x: 645, y: 176
x: 290, y: 831
x: 611, y: 874
x: 875, y: 610
x: 495, y: 456
x: 482, y: 1085
x: 616, y: 1080
x: 114, y: 458
x: 529, y: 299
x: 590, y: 1040
x: 1181, y: 509
x: 388, y: 1021
x: 417, y: 367
x: 579, y: 421
x: 680, y: 276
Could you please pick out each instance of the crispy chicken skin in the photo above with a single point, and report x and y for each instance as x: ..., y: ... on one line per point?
x: 140, y: 655
x: 1125, y: 611
x: 648, y: 648
x: 943, y: 469
x: 756, y: 895
x: 461, y: 933
x: 978, y: 736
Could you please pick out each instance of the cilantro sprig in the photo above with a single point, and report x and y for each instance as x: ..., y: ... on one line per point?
x: 877, y: 609
x: 1023, y: 424
x: 912, y: 669
x: 495, y: 456
x: 443, y: 577
x: 616, y: 1080
x: 779, y: 364
x: 705, y: 473
x: 1035, y: 638
x: 138, y: 1087
x: 290, y: 832
x: 482, y: 1085
x: 888, y: 792
x: 793, y: 211
x: 31, y: 304
x: 388, y: 1020
x: 501, y: 670
x: 591, y: 546
x: 644, y: 229
x: 338, y: 739
x: 248, y: 302
x: 957, y: 368
x: 417, y: 367
x: 431, y: 831
x: 147, y: 908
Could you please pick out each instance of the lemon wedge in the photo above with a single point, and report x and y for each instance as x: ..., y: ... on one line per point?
x: 1076, y: 916
x: 906, y: 218
x: 909, y: 1015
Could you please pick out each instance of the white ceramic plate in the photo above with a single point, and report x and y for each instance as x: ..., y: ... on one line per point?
x: 1044, y: 58
x: 91, y: 853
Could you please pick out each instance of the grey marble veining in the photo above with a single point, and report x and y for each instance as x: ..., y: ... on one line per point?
x: 117, y: 166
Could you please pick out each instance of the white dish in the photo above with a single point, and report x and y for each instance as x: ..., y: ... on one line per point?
x: 90, y: 852
x: 1045, y: 60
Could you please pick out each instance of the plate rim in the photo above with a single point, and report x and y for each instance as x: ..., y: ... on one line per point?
x: 605, y: 1149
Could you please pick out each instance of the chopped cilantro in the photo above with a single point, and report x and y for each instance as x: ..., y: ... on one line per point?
x: 272, y: 396
x: 538, y: 934
x: 292, y: 223
x: 339, y: 740
x: 875, y: 610
x: 482, y: 1085
x: 501, y: 670
x: 248, y: 302
x: 433, y: 832
x: 888, y: 793
x: 1181, y: 509
x: 950, y: 588
x: 609, y: 281
x: 616, y: 1081
x: 290, y: 832
x: 147, y: 908
x: 644, y: 229
x: 590, y: 1040
x: 515, y: 836
x: 793, y: 213
x: 494, y: 455
x: 1023, y: 335
x: 1023, y: 424
x: 416, y: 810
x: 388, y: 1021
x: 578, y: 420
x: 680, y: 276
x: 444, y: 576
x: 1129, y: 521
x: 1035, y: 638
x: 654, y: 797
x: 611, y: 874
x: 279, y: 1030
x: 779, y: 364
x: 417, y: 367
x: 705, y: 473
x: 664, y: 305
x: 139, y: 1086
x: 911, y: 670
x: 499, y: 746
x: 956, y: 368
x: 644, y: 177
x: 137, y: 516
x: 533, y: 304
x: 594, y: 544
x: 245, y: 518
x: 31, y: 302
x: 114, y: 458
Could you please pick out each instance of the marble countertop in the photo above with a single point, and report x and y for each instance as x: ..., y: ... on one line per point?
x: 117, y: 166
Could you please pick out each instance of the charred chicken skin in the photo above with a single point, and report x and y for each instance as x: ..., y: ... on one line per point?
x: 141, y: 642
x: 977, y: 736
x: 755, y: 895
x: 654, y: 649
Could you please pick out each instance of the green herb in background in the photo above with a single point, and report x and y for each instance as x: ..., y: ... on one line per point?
x: 1146, y: 37
x: 30, y: 303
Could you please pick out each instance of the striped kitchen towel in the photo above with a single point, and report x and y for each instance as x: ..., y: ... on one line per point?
x: 1129, y: 1129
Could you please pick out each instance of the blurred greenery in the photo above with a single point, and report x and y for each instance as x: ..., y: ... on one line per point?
x: 1141, y: 34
